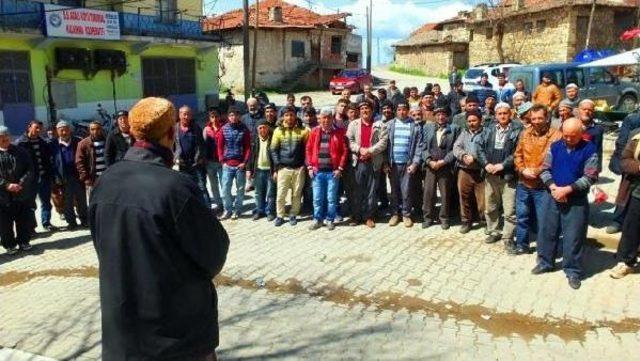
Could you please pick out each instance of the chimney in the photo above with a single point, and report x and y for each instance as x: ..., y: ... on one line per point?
x: 275, y: 14
x: 518, y: 5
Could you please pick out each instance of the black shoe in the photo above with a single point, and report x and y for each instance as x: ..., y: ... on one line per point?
x: 271, y: 217
x: 522, y: 250
x: 279, y: 221
x: 50, y: 228
x: 293, y: 220
x: 492, y: 238
x: 25, y: 247
x: 574, y: 282
x: 427, y: 223
x: 465, y: 228
x: 256, y: 216
x: 84, y: 224
x: 445, y: 225
x: 72, y: 226
x: 540, y: 269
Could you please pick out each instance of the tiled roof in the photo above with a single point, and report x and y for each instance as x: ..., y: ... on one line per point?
x: 507, y: 7
x: 424, y: 28
x: 293, y: 16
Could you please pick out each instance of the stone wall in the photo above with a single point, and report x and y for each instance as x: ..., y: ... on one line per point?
x: 432, y: 59
x: 559, y: 41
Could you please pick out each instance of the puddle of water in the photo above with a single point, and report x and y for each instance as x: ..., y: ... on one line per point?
x: 496, y: 323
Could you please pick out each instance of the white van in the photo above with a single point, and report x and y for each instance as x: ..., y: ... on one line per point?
x: 472, y: 76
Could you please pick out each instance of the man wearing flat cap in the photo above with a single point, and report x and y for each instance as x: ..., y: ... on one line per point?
x: 405, y: 154
x: 16, y: 187
x: 368, y: 144
x: 438, y: 139
x: 159, y: 247
x: 118, y: 140
x: 565, y: 111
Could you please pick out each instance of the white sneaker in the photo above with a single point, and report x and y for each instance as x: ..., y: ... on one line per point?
x: 620, y: 271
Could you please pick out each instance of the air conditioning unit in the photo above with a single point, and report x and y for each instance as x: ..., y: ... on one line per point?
x: 73, y: 58
x: 104, y: 59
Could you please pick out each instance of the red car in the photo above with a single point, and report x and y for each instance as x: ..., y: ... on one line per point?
x: 352, y: 79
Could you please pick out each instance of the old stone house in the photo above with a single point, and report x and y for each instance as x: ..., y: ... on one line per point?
x: 534, y: 31
x: 294, y: 45
x: 435, y: 47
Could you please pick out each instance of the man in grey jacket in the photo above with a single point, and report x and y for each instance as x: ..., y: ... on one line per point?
x: 470, y: 182
x: 405, y: 153
x: 438, y: 139
x: 367, y: 143
x: 496, y: 146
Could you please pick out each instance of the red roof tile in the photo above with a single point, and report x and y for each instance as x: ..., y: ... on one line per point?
x: 424, y: 28
x: 293, y: 16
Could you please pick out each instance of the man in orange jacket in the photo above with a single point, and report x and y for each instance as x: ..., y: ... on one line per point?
x: 547, y: 93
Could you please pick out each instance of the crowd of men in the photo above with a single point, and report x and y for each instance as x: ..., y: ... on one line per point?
x: 516, y: 163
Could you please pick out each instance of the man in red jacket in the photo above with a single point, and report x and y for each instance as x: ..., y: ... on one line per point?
x: 326, y: 155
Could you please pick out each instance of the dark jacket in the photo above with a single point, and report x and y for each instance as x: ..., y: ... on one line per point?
x: 449, y: 137
x: 45, y: 153
x: 629, y: 124
x: 159, y: 247
x: 487, y: 154
x: 116, y: 147
x: 288, y: 146
x: 630, y: 166
x: 255, y: 150
x: 415, y: 142
x: 196, y: 155
x: 454, y: 102
x: 61, y: 175
x: 16, y: 167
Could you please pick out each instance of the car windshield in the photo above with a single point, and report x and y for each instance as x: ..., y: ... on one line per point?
x: 474, y: 73
x: 349, y: 73
x: 525, y: 76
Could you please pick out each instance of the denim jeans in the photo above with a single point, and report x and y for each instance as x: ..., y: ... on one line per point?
x: 325, y: 196
x: 530, y: 210
x: 265, y: 188
x: 43, y: 187
x: 569, y: 220
x: 214, y: 173
x: 228, y: 175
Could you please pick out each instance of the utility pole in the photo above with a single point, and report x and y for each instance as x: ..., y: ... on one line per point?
x: 255, y: 47
x: 245, y: 48
x: 369, y: 21
x: 378, y: 50
x: 593, y: 10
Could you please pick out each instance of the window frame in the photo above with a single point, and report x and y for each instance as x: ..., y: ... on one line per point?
x: 168, y: 76
x: 295, y: 51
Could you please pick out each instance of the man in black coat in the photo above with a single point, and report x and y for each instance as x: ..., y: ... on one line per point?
x: 16, y: 187
x: 119, y: 140
x: 159, y: 247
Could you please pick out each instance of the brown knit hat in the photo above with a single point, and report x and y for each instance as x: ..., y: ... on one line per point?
x: 151, y: 117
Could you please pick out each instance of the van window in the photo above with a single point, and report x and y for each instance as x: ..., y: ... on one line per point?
x: 600, y: 76
x: 557, y: 77
x: 525, y: 76
x: 576, y: 76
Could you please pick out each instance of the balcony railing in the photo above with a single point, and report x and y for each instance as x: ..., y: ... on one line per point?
x: 28, y: 16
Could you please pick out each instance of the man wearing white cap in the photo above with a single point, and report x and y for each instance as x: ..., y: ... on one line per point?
x: 64, y: 156
x: 16, y: 181
x: 572, y: 93
x: 496, y: 146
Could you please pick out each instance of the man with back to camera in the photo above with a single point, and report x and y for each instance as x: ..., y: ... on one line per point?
x: 159, y: 247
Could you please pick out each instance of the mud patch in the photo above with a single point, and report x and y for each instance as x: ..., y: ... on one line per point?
x: 498, y: 324
x: 414, y: 282
x: 13, y: 278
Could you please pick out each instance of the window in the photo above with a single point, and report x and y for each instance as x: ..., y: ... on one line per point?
x: 528, y: 27
x: 353, y: 57
x: 71, y: 3
x: 168, y: 76
x: 297, y: 49
x: 336, y: 44
x: 489, y: 33
x: 576, y: 76
x: 541, y: 25
x: 15, y: 78
x: 600, y: 76
x: 167, y: 11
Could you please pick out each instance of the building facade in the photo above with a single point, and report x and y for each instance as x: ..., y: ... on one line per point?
x: 294, y: 46
x: 60, y: 63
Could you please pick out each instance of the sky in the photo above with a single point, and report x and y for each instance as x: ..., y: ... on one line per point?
x: 393, y: 20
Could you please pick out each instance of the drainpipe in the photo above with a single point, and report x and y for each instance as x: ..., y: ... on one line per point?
x: 52, y: 105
